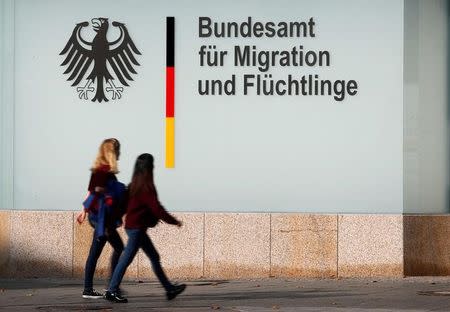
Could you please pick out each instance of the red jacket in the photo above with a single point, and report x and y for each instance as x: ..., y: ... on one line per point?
x: 144, y: 210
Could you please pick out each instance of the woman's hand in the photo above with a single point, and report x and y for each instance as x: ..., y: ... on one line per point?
x: 81, y: 216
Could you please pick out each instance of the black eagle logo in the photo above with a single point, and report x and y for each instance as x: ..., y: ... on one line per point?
x: 118, y: 55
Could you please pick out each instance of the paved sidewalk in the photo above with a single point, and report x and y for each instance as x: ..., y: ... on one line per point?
x: 409, y: 294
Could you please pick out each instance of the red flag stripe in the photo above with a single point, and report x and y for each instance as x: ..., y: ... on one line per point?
x: 170, y: 92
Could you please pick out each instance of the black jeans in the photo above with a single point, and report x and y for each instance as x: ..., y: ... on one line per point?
x: 94, y: 253
x: 138, y: 238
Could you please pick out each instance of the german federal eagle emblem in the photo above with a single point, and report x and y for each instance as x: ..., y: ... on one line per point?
x: 111, y: 61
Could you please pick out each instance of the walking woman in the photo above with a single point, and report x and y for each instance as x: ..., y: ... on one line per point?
x: 105, y: 206
x: 143, y: 211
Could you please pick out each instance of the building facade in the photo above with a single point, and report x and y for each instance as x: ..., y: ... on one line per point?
x: 292, y: 138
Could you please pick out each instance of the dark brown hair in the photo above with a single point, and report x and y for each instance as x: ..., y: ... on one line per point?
x: 142, y: 180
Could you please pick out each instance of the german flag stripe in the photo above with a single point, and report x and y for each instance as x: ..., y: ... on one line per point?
x: 170, y: 92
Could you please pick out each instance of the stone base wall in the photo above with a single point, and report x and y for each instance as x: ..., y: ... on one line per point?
x: 237, y: 245
x: 427, y: 245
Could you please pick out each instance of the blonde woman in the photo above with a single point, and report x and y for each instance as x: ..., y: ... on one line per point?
x: 105, y: 206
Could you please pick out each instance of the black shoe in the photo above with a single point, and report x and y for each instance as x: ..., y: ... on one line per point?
x: 120, y: 291
x: 115, y: 297
x: 175, y: 291
x: 92, y: 294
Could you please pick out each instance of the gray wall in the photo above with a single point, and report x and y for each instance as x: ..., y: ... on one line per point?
x: 240, y: 153
x: 6, y: 103
x: 426, y: 107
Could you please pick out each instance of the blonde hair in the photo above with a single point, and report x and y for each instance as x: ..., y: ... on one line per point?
x: 107, y: 155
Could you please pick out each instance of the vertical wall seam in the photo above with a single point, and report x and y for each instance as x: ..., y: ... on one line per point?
x: 270, y: 245
x: 337, y: 246
x: 203, y: 241
x: 8, y: 261
x: 403, y: 243
x: 73, y: 243
x: 138, y: 262
x: 137, y: 258
x: 12, y: 263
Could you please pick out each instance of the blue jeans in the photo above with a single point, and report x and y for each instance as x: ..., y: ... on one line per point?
x: 94, y: 253
x: 138, y: 238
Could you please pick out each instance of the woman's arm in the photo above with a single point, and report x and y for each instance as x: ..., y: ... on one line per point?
x: 151, y: 200
x: 82, y: 214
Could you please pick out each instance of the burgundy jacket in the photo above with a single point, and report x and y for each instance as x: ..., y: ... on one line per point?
x: 100, y: 177
x: 144, y: 210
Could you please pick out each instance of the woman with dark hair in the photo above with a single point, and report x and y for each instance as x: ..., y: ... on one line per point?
x: 143, y: 211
